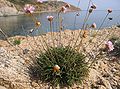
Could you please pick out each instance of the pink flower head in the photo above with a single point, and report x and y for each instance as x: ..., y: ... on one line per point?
x: 77, y: 14
x: 67, y: 5
x: 109, y: 45
x: 29, y: 8
x: 93, y: 25
x: 93, y: 6
x: 63, y: 9
x: 40, y: 1
x: 109, y: 10
x: 50, y: 18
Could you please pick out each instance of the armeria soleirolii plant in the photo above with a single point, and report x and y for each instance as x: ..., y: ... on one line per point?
x: 17, y: 42
x: 56, y: 67
x: 59, y: 60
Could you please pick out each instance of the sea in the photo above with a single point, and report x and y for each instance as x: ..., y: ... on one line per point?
x: 22, y: 25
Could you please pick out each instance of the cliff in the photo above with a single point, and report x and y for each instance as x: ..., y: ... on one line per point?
x: 7, y: 8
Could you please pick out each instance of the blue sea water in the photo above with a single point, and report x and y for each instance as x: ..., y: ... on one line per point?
x: 20, y: 25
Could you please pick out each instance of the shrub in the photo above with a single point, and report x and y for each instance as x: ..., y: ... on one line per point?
x: 71, y: 66
x: 116, y: 51
x: 17, y: 42
x: 114, y: 38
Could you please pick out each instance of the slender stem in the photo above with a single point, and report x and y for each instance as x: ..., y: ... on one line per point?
x: 76, y: 15
x: 100, y: 45
x: 99, y: 28
x: 52, y: 34
x: 81, y: 31
x: 59, y: 29
x: 85, y: 20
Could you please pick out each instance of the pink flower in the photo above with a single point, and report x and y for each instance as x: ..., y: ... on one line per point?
x: 63, y: 9
x: 67, y: 5
x: 77, y: 14
x: 93, y: 25
x: 40, y: 1
x: 50, y: 18
x: 109, y: 10
x: 93, y: 6
x: 109, y: 45
x: 29, y: 8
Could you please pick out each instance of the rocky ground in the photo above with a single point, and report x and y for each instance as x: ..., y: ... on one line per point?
x: 14, y: 64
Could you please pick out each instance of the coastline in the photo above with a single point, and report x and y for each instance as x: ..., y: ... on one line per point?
x: 37, y: 12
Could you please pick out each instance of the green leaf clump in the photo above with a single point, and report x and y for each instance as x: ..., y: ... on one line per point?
x: 17, y: 42
x: 73, y: 68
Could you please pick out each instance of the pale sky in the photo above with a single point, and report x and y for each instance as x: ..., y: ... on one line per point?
x: 101, y: 4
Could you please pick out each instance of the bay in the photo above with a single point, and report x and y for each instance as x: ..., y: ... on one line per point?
x: 22, y: 24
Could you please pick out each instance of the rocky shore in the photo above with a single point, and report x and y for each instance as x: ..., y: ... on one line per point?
x: 14, y: 65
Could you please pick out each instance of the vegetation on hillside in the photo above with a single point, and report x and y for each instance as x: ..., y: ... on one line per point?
x: 45, y: 6
x: 20, y: 1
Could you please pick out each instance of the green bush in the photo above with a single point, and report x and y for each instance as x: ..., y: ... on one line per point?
x: 73, y: 68
x: 17, y: 42
x: 116, y: 51
x: 113, y: 39
x: 116, y: 41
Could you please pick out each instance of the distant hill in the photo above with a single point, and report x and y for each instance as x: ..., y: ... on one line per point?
x: 14, y: 7
x: 45, y: 6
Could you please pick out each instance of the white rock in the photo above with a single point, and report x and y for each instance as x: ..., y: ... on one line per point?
x: 8, y: 11
x: 2, y: 50
x: 101, y: 87
x: 106, y: 83
x: 2, y: 87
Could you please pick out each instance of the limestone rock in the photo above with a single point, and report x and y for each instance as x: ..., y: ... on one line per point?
x: 7, y: 8
x: 5, y: 11
x: 1, y: 87
x: 34, y: 84
x: 101, y: 87
x: 106, y: 83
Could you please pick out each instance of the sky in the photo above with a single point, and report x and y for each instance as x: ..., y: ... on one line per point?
x: 101, y: 4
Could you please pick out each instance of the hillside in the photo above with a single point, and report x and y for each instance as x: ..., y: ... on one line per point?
x: 15, y: 7
x: 7, y: 8
x: 45, y: 6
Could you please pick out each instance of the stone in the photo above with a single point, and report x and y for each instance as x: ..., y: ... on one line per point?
x: 106, y: 83
x: 7, y: 8
x: 25, y: 51
x: 2, y: 50
x: 34, y: 84
x: 93, y: 75
x: 8, y: 11
x: 2, y: 87
x: 113, y: 70
x: 101, y: 87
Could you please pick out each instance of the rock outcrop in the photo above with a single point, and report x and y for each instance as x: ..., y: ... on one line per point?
x: 7, y: 8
